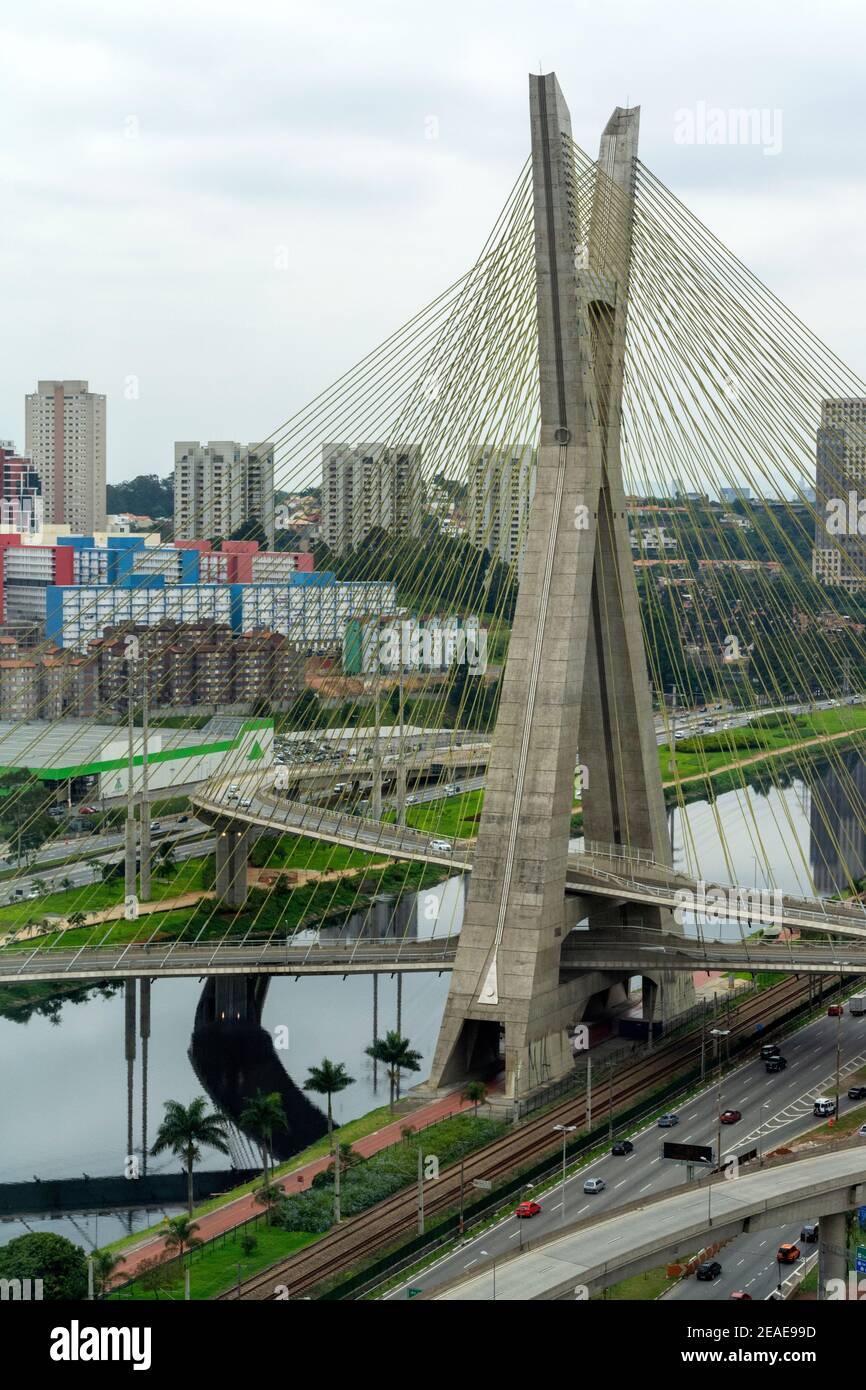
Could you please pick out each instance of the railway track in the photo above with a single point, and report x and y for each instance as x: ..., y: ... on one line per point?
x: 380, y: 1226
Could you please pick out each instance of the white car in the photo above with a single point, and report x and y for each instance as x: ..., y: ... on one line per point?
x: 441, y: 846
x: 411, y: 800
x: 594, y: 1185
x: 245, y: 802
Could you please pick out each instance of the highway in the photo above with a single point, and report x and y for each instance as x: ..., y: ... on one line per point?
x: 775, y: 1108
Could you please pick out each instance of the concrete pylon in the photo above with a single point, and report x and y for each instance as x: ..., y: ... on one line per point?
x: 232, y: 852
x: 576, y: 673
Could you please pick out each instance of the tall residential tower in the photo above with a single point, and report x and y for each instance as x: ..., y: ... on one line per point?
x: 65, y: 438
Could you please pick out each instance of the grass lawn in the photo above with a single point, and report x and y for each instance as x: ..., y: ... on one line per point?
x: 455, y: 817
x: 299, y: 852
x: 94, y: 897
x: 642, y: 1287
x: 215, y: 1268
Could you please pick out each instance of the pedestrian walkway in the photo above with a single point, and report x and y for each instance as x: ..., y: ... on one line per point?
x: 245, y: 1207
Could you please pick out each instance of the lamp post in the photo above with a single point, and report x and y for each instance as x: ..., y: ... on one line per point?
x: 717, y: 1034
x: 564, y: 1130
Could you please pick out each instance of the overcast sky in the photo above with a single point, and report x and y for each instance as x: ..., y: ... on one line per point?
x: 157, y: 156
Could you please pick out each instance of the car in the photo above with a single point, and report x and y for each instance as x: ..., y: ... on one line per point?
x: 182, y: 820
x: 836, y: 1011
x: 823, y: 1105
x: 668, y: 1121
x: 862, y: 1132
x: 527, y: 1209
x: 245, y: 802
x: 777, y: 1063
x: 709, y: 1270
x: 441, y: 846
x: 730, y: 1117
x: 622, y: 1146
x: 857, y: 1092
x: 88, y: 811
x: 788, y: 1254
x: 769, y: 1050
x: 339, y: 787
x: 809, y: 1233
x: 741, y: 1293
x: 411, y: 800
x: 594, y: 1185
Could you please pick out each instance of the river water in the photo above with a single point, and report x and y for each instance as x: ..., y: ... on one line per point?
x: 63, y: 1081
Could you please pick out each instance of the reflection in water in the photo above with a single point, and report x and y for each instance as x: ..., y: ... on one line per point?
x: 836, y: 825
x: 234, y: 1057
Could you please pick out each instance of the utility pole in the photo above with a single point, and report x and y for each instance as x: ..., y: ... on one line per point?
x: 337, y: 1183
x: 588, y: 1093
x: 376, y: 792
x: 460, y: 1225
x: 401, y: 761
x: 130, y: 842
x: 420, y: 1191
x: 143, y: 805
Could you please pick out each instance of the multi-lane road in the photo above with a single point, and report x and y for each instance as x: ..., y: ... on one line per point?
x: 775, y: 1108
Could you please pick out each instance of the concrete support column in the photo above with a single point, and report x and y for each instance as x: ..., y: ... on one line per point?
x: 144, y: 1033
x: 231, y: 867
x: 401, y: 794
x: 832, y: 1251
x: 129, y: 1054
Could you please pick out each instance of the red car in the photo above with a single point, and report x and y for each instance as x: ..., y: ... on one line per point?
x: 730, y: 1117
x: 527, y: 1209
x: 740, y: 1293
x: 836, y: 1011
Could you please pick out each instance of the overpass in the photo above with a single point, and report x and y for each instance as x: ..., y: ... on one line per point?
x: 616, y: 872
x: 593, y: 1254
x: 630, y: 950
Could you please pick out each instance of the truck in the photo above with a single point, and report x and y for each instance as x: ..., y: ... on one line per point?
x: 857, y: 1004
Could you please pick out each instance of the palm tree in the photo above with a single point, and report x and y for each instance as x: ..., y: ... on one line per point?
x: 180, y: 1238
x: 110, y: 871
x: 270, y: 1198
x: 181, y: 1235
x: 105, y: 1262
x: 328, y: 1079
x: 261, y: 1115
x: 77, y: 919
x: 66, y: 883
x: 184, y: 1129
x: 398, y: 1056
x: 475, y: 1091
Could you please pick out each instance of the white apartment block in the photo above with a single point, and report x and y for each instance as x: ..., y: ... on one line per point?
x: 219, y: 486
x: 366, y: 486
x: 315, y: 614
x: 501, y: 489
x: 65, y: 437
x: 839, y: 552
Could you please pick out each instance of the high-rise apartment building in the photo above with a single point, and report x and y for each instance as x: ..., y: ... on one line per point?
x: 366, y: 486
x: 839, y: 554
x: 20, y: 492
x: 501, y: 489
x: 65, y: 438
x: 221, y: 485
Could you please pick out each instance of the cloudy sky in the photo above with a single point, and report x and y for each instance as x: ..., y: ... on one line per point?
x: 220, y: 206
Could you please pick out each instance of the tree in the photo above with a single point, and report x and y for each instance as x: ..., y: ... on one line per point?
x: 66, y: 883
x: 77, y: 919
x: 60, y: 1265
x: 105, y: 1262
x: 112, y: 870
x: 184, y: 1129
x: 397, y: 1056
x: 181, y: 1235
x: 166, y: 863
x: 261, y: 1115
x: 328, y: 1079
x: 476, y: 1091
x: 270, y: 1198
x: 146, y: 495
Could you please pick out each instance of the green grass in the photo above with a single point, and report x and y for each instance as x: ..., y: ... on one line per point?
x: 215, y: 1268
x: 300, y: 852
x: 95, y: 897
x: 641, y: 1287
x: 455, y: 817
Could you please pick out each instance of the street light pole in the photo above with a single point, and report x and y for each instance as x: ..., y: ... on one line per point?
x: 564, y: 1130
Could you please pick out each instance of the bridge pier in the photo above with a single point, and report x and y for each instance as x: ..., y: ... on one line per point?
x: 832, y: 1251
x: 232, y: 849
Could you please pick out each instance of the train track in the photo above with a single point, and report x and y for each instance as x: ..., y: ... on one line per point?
x: 375, y: 1229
